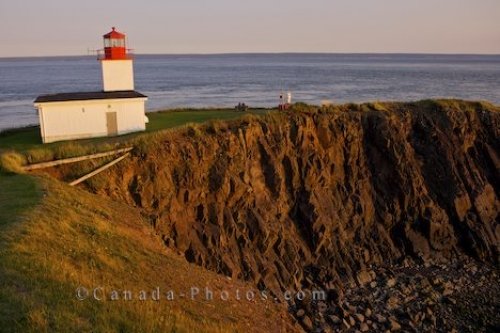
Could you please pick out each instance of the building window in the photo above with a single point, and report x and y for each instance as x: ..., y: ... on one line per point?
x: 113, y: 42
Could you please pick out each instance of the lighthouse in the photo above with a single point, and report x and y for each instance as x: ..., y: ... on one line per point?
x: 117, y: 65
x: 115, y: 110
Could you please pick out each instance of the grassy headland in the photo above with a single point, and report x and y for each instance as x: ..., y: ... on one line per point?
x: 54, y: 238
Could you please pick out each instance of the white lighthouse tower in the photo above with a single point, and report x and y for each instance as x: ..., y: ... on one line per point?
x: 117, y: 65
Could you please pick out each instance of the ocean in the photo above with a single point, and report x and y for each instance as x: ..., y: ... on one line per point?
x: 178, y: 81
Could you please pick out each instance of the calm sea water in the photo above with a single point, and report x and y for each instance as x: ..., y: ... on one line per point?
x: 224, y: 80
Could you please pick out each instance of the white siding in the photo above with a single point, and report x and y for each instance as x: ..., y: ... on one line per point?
x: 86, y: 119
x: 117, y: 75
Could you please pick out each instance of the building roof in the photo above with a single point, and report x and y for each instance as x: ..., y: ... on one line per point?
x: 84, y: 96
x: 114, y: 34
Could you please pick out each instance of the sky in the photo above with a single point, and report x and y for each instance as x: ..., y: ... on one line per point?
x: 68, y: 27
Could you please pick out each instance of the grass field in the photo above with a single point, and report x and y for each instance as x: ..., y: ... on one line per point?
x: 18, y: 194
x: 24, y: 139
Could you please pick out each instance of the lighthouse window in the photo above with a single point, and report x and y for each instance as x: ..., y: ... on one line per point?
x: 117, y: 43
x: 114, y: 42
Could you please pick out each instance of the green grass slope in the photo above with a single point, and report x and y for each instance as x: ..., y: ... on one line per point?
x: 54, y: 238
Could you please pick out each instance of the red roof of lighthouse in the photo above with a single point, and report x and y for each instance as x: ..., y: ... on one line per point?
x: 114, y: 34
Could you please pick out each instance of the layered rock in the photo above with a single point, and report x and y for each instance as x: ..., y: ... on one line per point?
x: 314, y: 196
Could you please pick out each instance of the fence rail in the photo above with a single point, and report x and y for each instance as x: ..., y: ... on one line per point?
x: 75, y: 159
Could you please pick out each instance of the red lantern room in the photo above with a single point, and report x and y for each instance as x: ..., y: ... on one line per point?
x: 114, y: 46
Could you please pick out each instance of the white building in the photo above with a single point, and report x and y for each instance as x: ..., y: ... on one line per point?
x: 117, y: 109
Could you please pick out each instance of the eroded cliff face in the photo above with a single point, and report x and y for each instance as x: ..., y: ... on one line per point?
x: 311, y: 197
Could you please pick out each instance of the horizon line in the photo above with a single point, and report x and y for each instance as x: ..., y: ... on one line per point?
x: 261, y: 53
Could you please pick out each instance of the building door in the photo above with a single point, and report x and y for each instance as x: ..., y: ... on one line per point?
x: 112, y: 123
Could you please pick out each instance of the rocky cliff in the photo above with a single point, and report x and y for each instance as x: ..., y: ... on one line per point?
x: 313, y: 196
x: 325, y: 191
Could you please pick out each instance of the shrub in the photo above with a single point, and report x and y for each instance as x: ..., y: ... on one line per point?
x: 143, y: 144
x: 378, y: 106
x: 12, y: 162
x: 351, y: 107
x: 214, y: 126
x: 70, y: 149
x: 38, y: 155
x: 193, y: 130
x: 303, y: 107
